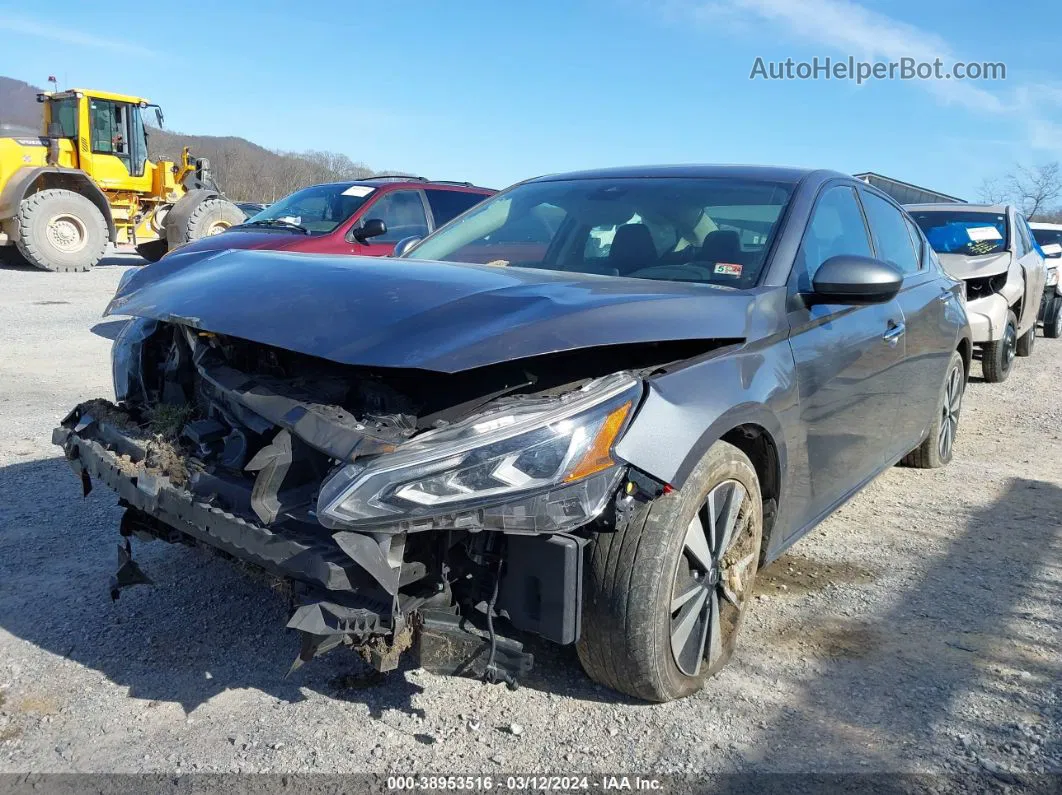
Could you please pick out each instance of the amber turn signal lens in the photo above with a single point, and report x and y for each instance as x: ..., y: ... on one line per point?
x: 599, y: 455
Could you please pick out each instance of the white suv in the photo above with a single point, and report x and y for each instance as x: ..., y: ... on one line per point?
x: 1049, y: 238
x: 991, y: 248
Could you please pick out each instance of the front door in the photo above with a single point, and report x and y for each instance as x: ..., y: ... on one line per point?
x: 402, y: 212
x: 1034, y: 270
x: 846, y: 361
x: 927, y: 306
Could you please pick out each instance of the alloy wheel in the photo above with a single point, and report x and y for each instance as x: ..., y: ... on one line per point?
x: 949, y: 421
x: 711, y: 582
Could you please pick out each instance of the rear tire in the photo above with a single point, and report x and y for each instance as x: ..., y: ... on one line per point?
x: 997, y: 357
x: 59, y: 230
x: 212, y: 217
x: 1053, y: 318
x: 658, y: 619
x: 938, y: 448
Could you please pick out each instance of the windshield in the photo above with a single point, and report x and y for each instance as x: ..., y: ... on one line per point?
x: 1050, y: 241
x: 675, y: 229
x: 972, y: 234
x: 319, y: 209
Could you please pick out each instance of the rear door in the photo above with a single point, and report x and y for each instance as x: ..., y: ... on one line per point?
x: 846, y: 361
x: 445, y: 205
x: 929, y: 334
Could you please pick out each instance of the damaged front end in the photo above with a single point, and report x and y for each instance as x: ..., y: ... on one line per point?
x: 411, y: 509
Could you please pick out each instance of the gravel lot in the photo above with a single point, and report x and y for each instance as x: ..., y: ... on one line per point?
x: 917, y: 630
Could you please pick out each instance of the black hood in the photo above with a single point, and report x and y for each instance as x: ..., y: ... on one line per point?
x: 447, y: 317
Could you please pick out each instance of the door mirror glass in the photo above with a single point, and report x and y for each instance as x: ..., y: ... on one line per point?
x: 851, y: 279
x: 405, y: 244
x: 373, y: 227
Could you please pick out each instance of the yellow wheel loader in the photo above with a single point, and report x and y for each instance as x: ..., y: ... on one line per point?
x: 88, y: 182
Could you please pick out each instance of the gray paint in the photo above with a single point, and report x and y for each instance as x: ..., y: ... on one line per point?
x: 841, y: 391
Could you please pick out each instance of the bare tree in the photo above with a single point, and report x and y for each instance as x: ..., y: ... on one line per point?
x: 1034, y: 190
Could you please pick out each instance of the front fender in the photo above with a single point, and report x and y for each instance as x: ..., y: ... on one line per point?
x: 685, y: 412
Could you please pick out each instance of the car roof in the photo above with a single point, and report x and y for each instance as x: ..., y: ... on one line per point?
x: 1000, y: 209
x: 703, y: 171
x: 419, y: 182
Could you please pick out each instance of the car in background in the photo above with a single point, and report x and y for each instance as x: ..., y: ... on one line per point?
x: 598, y: 438
x: 251, y: 208
x: 360, y: 217
x: 991, y: 248
x: 1049, y: 238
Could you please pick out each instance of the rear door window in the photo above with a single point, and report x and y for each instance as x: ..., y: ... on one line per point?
x: 889, y: 228
x: 448, y: 204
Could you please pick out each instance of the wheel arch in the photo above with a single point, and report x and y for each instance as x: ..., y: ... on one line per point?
x: 28, y: 181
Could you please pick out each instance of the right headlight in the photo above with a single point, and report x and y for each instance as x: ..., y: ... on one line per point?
x: 532, y: 465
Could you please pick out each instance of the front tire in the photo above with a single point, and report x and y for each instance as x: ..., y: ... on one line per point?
x: 59, y: 230
x: 212, y: 217
x: 666, y: 595
x: 997, y: 357
x: 938, y: 448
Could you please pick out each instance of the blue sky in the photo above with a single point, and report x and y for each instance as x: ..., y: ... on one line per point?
x: 494, y: 91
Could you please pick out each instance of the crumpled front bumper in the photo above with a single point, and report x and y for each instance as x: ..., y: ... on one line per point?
x: 315, y: 561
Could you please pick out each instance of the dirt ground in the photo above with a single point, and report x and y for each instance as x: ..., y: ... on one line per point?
x: 918, y: 630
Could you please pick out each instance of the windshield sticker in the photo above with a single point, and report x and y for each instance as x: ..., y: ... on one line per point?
x: 981, y: 233
x: 358, y: 190
x: 728, y: 268
x: 1052, y: 248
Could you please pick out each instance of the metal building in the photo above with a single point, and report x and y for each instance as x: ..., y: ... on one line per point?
x: 905, y: 192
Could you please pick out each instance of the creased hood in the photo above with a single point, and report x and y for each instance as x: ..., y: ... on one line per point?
x: 447, y: 317
x: 963, y: 267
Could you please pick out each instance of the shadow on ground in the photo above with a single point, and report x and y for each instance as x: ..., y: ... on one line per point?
x: 881, y: 689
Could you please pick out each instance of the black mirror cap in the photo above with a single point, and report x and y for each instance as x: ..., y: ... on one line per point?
x: 373, y: 227
x: 405, y: 244
x: 851, y: 279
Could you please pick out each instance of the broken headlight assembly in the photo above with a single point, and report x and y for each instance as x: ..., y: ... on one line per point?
x: 534, y: 465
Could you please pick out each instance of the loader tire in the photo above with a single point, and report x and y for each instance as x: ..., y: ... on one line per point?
x: 59, y: 230
x: 212, y: 217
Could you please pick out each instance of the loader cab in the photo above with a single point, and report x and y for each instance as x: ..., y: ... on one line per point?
x: 108, y: 135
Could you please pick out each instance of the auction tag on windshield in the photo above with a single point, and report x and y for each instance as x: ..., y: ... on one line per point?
x: 358, y: 190
x: 981, y: 233
x: 728, y: 268
x: 1052, y: 248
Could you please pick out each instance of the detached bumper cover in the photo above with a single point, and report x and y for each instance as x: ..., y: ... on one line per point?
x: 315, y: 561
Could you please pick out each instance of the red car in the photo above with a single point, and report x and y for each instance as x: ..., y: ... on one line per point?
x: 366, y: 217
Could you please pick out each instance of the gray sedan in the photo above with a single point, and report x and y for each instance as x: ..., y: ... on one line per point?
x: 590, y: 408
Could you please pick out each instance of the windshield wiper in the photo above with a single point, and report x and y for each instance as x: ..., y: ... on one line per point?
x: 278, y: 222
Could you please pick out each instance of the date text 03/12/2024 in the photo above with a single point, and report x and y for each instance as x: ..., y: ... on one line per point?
x: 617, y: 783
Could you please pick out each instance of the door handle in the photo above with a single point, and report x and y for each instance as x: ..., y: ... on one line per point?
x: 892, y: 336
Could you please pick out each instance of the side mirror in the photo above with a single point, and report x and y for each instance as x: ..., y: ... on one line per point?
x: 372, y: 227
x: 405, y: 244
x: 850, y: 279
